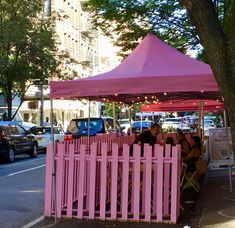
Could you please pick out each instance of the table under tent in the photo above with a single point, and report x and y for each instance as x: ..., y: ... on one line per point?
x: 101, y: 179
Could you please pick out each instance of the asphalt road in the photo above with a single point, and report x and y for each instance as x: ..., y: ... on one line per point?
x: 22, y: 191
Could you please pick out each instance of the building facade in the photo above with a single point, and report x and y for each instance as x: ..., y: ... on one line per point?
x: 91, y: 52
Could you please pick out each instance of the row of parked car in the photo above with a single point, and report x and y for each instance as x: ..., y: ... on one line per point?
x: 15, y: 139
x: 187, y: 124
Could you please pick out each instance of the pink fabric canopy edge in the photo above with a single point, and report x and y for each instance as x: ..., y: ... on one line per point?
x: 153, y: 67
x: 182, y: 106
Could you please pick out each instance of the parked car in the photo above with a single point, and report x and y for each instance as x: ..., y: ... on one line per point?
x: 184, y: 124
x: 208, y: 124
x: 139, y: 126
x: 14, y: 139
x: 171, y: 123
x: 124, y: 124
x: 44, y: 137
x: 98, y: 125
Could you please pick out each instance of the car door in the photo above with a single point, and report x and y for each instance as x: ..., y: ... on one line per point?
x: 25, y: 139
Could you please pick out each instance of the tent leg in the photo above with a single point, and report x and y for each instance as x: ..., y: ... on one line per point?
x: 202, y: 116
x: 114, y: 118
x: 89, y: 121
x: 130, y: 119
x: 199, y: 119
x: 53, y: 163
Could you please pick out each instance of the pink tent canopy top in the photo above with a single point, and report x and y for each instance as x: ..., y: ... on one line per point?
x: 153, y: 68
x: 182, y: 106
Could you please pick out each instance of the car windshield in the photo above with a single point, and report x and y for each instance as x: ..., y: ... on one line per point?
x: 46, y: 130
x: 208, y: 122
x: 144, y: 124
x: 95, y: 124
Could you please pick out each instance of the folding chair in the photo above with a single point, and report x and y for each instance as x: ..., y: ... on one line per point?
x: 189, y: 179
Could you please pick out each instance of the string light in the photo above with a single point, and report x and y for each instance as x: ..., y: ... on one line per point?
x: 165, y: 93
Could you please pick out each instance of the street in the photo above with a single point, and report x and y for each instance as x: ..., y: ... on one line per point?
x: 22, y: 191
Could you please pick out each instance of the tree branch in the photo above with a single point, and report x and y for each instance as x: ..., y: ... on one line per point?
x: 203, y: 15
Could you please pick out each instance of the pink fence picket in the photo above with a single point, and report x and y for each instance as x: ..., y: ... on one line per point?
x: 130, y: 186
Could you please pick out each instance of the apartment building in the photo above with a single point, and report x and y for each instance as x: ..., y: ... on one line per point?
x: 92, y: 54
x: 76, y: 35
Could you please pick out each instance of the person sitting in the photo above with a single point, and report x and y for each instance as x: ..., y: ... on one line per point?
x: 185, y: 145
x: 73, y: 129
x: 148, y: 136
x: 194, y: 154
x: 170, y: 140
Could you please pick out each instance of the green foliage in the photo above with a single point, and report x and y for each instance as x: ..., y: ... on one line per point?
x: 108, y: 109
x: 28, y: 47
x: 127, y: 21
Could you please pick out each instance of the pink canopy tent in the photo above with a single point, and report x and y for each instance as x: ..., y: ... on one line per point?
x: 182, y: 106
x: 154, y: 70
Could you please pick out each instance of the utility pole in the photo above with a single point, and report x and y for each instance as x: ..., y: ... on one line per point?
x: 42, y: 104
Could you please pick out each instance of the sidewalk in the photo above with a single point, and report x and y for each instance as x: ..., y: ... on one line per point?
x: 213, y: 207
x: 218, y: 202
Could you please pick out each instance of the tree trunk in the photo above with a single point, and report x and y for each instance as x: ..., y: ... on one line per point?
x: 219, y: 45
x: 9, y: 101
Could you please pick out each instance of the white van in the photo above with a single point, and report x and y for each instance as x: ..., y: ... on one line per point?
x: 18, y: 118
x: 149, y: 116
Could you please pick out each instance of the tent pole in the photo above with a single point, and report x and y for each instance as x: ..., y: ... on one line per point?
x: 53, y: 163
x: 202, y: 116
x: 199, y: 119
x: 89, y: 121
x: 130, y: 119
x: 141, y: 121
x: 114, y: 118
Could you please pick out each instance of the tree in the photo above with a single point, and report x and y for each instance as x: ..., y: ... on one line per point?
x: 127, y: 21
x: 185, y: 24
x: 28, y: 48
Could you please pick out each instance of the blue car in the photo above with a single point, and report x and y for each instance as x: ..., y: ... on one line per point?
x: 139, y: 126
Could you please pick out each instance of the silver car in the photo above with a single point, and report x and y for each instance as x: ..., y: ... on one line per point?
x: 44, y: 136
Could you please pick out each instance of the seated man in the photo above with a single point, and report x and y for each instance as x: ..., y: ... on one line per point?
x: 148, y: 136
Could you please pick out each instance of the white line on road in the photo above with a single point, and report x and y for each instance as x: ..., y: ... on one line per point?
x: 34, y: 222
x: 26, y: 170
x: 23, y: 162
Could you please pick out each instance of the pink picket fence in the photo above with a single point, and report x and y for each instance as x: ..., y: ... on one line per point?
x: 114, y: 181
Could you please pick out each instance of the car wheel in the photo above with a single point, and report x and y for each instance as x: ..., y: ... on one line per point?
x: 34, y: 152
x: 11, y: 154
